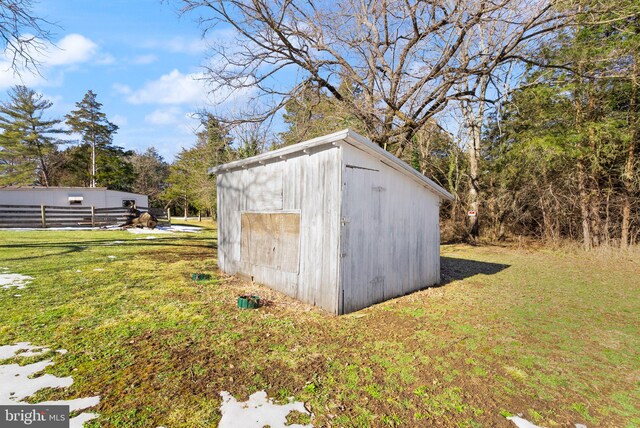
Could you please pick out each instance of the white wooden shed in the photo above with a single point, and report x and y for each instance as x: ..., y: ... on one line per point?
x: 335, y: 221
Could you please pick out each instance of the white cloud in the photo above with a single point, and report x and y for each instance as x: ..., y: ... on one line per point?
x: 193, y: 89
x: 8, y: 78
x: 144, y: 59
x: 71, y: 49
x: 172, y: 88
x: 165, y: 116
x: 190, y: 46
x: 105, y: 59
x: 119, y: 120
x: 121, y: 88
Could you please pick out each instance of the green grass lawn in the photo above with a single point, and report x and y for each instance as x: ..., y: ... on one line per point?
x: 552, y: 336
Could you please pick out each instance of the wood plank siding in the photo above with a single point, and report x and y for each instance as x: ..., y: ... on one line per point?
x: 390, y: 241
x: 306, y: 184
x: 335, y: 221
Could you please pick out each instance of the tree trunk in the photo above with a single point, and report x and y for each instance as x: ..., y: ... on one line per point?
x: 595, y: 193
x: 584, y: 206
x: 44, y: 169
x: 627, y: 176
x: 605, y: 236
x: 93, y: 159
x: 186, y: 208
x: 474, y: 123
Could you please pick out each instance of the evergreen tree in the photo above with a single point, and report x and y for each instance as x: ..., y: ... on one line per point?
x: 313, y: 113
x: 189, y: 183
x: 28, y: 140
x: 181, y: 185
x: 151, y: 174
x: 97, y: 135
x: 562, y: 158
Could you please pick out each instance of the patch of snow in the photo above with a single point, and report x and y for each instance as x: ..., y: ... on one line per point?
x: 61, y: 351
x: 522, y: 423
x: 33, y: 352
x: 165, y: 229
x: 78, y: 271
x: 19, y: 382
x: 10, y: 351
x: 17, y: 295
x: 178, y: 228
x: 30, y: 229
x: 98, y: 270
x: 149, y: 237
x: 257, y: 412
x: 8, y: 280
x: 137, y: 231
x: 111, y: 257
x: 15, y: 384
x: 78, y: 421
x: 74, y: 404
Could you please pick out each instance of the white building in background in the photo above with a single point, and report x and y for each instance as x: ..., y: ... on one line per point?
x: 336, y: 222
x: 98, y: 197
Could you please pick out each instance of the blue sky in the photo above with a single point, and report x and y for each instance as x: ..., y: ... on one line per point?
x: 142, y: 59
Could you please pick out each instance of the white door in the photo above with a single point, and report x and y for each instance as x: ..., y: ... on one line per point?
x: 362, y: 210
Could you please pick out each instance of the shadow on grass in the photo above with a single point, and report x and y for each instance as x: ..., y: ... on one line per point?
x: 82, y: 245
x: 453, y: 269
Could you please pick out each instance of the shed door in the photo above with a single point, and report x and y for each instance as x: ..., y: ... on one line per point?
x: 362, y: 272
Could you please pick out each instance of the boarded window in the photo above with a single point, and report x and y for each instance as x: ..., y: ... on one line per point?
x: 271, y: 240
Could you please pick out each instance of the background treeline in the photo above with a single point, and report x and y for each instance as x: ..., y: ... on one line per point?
x: 78, y: 150
x: 526, y: 111
x: 551, y: 155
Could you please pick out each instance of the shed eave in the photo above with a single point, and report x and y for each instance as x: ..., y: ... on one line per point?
x: 282, y: 153
x: 346, y: 135
x: 359, y: 140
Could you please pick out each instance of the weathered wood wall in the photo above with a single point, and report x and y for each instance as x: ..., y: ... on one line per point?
x: 307, y: 184
x: 390, y: 240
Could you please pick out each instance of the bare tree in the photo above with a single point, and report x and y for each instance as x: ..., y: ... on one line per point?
x: 402, y: 57
x: 23, y: 35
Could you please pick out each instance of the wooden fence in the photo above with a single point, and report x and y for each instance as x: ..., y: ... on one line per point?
x: 43, y: 216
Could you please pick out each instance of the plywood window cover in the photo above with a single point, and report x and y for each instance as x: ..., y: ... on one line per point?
x: 271, y: 239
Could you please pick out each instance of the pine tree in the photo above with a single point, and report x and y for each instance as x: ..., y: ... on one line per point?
x: 96, y: 131
x: 313, y: 113
x: 189, y: 183
x: 151, y: 175
x: 28, y: 140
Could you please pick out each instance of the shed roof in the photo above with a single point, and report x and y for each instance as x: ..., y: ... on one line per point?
x: 348, y: 136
